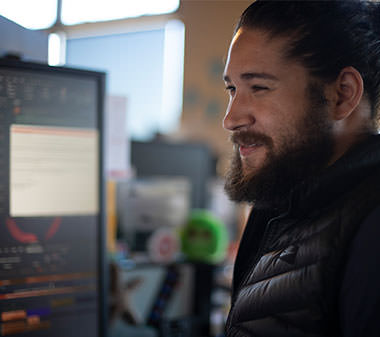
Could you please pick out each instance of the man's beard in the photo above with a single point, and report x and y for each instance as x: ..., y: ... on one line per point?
x: 301, y: 155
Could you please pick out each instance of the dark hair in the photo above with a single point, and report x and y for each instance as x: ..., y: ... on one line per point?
x: 325, y: 37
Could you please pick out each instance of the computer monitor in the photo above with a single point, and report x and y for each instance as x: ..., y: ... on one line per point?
x: 193, y: 161
x: 51, y: 208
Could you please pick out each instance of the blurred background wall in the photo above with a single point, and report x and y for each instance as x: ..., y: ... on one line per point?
x: 209, y: 27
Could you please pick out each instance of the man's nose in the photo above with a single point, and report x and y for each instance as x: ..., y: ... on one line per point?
x: 239, y: 114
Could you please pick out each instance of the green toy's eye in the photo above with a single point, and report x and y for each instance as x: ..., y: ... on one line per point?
x: 206, y: 235
x: 192, y: 233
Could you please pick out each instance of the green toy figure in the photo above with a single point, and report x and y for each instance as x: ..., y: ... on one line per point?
x: 204, y: 238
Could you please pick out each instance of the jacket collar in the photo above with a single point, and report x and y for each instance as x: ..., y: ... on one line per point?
x: 358, y: 163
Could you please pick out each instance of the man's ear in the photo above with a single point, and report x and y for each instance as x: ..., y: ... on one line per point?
x: 348, y: 91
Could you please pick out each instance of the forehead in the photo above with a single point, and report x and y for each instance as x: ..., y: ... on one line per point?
x: 254, y: 50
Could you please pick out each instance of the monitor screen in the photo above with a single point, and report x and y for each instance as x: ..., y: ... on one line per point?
x: 51, y: 211
x: 193, y: 161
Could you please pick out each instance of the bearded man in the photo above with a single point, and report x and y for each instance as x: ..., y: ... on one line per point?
x: 304, y: 81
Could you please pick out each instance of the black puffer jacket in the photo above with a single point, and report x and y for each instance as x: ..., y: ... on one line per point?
x: 289, y: 286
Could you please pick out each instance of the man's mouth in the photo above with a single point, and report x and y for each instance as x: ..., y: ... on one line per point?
x: 249, y: 142
x: 247, y: 149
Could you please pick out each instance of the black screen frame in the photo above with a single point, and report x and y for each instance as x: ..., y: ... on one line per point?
x: 100, y: 78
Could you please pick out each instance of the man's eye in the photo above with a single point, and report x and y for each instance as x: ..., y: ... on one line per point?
x: 258, y: 88
x: 230, y: 89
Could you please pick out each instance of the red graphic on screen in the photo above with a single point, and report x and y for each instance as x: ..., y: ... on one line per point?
x: 53, y: 228
x: 25, y: 237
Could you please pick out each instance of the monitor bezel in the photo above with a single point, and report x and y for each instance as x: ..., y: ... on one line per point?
x: 100, y: 78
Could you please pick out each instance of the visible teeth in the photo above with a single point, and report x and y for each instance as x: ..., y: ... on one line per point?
x: 250, y: 145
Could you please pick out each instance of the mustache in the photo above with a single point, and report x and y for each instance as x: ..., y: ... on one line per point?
x: 250, y: 137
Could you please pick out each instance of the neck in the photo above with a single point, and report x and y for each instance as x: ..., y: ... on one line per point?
x: 346, y: 142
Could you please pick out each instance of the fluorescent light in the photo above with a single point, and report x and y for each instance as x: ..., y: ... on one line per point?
x: 172, y: 83
x: 54, y: 49
x: 36, y: 14
x: 75, y: 11
x: 57, y: 49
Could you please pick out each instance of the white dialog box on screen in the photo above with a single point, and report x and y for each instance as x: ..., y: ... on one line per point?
x: 53, y: 171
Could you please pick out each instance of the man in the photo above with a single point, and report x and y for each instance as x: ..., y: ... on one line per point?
x: 304, y: 86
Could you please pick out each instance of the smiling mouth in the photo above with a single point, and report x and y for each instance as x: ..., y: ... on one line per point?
x: 247, y: 149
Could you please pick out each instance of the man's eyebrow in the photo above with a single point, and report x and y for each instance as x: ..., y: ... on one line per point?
x: 252, y: 75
